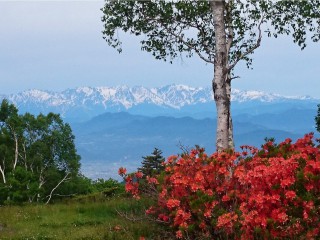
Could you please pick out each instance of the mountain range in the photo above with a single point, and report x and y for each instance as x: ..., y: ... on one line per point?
x: 83, y: 103
x: 116, y: 126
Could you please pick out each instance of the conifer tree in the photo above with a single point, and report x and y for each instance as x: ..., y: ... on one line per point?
x: 152, y: 164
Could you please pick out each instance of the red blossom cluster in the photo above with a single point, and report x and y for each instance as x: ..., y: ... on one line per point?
x: 272, y: 192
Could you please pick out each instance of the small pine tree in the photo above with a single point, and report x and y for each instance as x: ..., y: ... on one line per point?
x: 152, y: 164
x: 317, y: 118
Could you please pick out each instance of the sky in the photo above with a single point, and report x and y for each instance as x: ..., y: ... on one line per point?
x: 55, y: 45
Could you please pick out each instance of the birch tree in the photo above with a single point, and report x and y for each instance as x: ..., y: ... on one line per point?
x: 37, y: 156
x: 10, y: 132
x: 219, y: 32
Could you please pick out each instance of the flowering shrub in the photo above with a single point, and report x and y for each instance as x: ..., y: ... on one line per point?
x: 272, y: 192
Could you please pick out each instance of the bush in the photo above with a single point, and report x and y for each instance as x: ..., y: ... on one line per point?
x: 108, y: 187
x: 266, y: 193
x: 100, y: 190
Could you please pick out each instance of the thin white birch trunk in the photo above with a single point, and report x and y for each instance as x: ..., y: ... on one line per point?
x: 16, y: 152
x: 62, y: 180
x: 230, y: 139
x: 3, y: 175
x: 220, y: 75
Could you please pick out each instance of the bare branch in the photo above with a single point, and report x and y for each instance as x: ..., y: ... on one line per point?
x: 198, y: 27
x: 180, y: 37
x: 184, y: 149
x: 230, y: 67
x: 130, y: 218
x: 62, y: 180
x: 230, y: 36
x: 135, y: 219
x: 231, y: 78
x: 191, y: 47
x: 65, y: 195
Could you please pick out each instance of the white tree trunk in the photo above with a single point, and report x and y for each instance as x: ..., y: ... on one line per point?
x: 16, y: 153
x: 228, y: 86
x: 220, y: 76
x: 24, y: 156
x: 3, y: 175
x: 62, y: 180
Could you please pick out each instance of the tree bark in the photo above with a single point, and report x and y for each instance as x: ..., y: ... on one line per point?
x: 3, y: 175
x: 228, y: 88
x: 219, y: 83
x: 62, y: 180
x: 16, y: 152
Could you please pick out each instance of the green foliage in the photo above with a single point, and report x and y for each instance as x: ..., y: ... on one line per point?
x: 171, y: 28
x: 80, y: 185
x: 317, y: 119
x: 101, y: 185
x: 153, y: 164
x: 99, y: 190
x: 38, y: 159
x: 220, y: 32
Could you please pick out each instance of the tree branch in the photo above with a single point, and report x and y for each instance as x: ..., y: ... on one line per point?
x: 190, y: 46
x: 62, y: 180
x: 198, y: 27
x: 135, y: 219
x: 231, y: 78
x: 130, y: 218
x: 230, y: 67
x: 230, y: 36
x: 179, y: 37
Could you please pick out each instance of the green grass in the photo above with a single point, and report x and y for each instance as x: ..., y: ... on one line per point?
x: 78, y: 220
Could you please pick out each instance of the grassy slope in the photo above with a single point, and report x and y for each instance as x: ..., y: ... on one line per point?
x: 91, y: 220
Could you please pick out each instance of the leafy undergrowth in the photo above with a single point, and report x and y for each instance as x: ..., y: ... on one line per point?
x: 78, y: 220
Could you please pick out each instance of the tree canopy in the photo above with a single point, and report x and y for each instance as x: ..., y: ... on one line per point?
x: 38, y: 159
x: 219, y: 32
x: 152, y: 165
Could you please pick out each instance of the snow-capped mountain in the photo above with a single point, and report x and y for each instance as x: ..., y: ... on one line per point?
x: 174, y: 96
x: 164, y: 117
x: 86, y: 102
